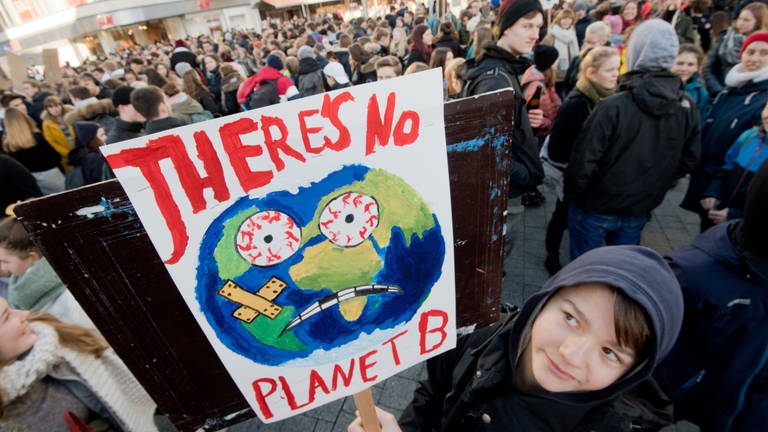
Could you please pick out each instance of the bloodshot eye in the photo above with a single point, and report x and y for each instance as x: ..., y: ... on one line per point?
x: 267, y: 238
x: 349, y: 219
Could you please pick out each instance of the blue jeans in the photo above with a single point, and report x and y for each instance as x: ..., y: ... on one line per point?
x: 588, y: 231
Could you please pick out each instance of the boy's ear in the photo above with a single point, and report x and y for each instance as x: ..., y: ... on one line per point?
x: 35, y: 254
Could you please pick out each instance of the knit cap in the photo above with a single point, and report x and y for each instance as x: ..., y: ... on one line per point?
x: 580, y: 6
x: 512, y: 10
x: 274, y: 61
x: 122, y: 96
x: 85, y: 131
x: 653, y: 45
x: 754, y: 37
x: 544, y: 56
x: 304, y: 52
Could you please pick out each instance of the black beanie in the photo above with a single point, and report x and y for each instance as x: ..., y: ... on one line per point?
x: 756, y: 214
x: 274, y: 61
x: 512, y: 10
x: 544, y: 56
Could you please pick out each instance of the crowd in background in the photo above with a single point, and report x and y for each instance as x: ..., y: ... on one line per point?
x: 588, y: 93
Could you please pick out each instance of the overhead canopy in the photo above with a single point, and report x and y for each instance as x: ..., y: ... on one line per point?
x: 282, y: 4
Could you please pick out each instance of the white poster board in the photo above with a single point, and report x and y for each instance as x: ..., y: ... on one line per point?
x: 312, y: 239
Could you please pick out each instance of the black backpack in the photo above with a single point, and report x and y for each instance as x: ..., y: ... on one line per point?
x: 470, y: 85
x: 264, y: 95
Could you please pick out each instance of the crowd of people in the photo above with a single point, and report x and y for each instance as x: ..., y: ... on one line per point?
x: 615, y: 102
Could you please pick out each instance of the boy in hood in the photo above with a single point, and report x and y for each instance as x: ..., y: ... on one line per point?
x: 633, y: 145
x: 595, y: 330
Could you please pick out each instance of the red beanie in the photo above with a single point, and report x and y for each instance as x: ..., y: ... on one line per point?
x: 754, y: 37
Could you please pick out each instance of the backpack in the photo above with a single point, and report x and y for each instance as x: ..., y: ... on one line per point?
x: 525, y: 152
x: 264, y: 95
x: 201, y: 116
x: 311, y: 83
x: 470, y: 85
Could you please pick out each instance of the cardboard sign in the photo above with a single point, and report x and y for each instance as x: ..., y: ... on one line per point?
x: 311, y: 240
x: 51, y: 65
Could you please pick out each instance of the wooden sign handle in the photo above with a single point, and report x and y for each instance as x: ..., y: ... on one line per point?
x: 367, y: 410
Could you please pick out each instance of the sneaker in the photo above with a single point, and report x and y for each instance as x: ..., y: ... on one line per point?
x: 533, y: 199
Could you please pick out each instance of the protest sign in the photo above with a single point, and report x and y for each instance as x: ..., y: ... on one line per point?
x: 311, y: 239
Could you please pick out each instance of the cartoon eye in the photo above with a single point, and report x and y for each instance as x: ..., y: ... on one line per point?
x: 349, y: 219
x: 268, y: 237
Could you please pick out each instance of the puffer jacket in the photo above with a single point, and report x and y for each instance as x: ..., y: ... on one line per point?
x: 633, y: 145
x: 717, y: 372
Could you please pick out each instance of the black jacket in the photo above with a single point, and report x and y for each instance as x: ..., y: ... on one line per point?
x: 526, y: 171
x: 567, y: 125
x: 17, y: 182
x: 38, y: 158
x: 448, y: 42
x: 124, y: 130
x: 633, y: 145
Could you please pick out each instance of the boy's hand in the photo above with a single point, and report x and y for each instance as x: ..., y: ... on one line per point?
x: 535, y: 117
x: 718, y: 216
x: 387, y: 421
x: 708, y: 203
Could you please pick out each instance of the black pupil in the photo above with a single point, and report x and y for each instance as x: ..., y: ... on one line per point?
x: 268, y: 238
x: 349, y: 218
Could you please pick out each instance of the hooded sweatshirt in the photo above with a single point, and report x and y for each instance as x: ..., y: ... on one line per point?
x: 490, y: 400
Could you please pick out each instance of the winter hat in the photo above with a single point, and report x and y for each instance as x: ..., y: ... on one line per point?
x: 181, y: 67
x: 653, y: 45
x: 85, y: 131
x: 754, y: 37
x: 179, y: 44
x: 512, y: 10
x: 336, y: 71
x: 274, y: 61
x: 304, y: 52
x: 122, y: 96
x: 544, y: 56
x: 580, y: 6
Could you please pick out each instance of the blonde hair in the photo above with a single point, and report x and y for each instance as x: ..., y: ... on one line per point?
x: 399, y: 48
x: 453, y: 74
x: 483, y: 37
x: 595, y: 58
x: 19, y: 131
x: 563, y: 14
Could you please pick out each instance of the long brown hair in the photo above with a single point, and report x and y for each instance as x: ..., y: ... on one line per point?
x: 73, y: 336
x: 19, y: 131
x: 193, y: 86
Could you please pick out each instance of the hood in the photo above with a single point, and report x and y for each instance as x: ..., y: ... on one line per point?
x: 308, y: 65
x: 532, y: 75
x: 641, y: 274
x: 100, y: 108
x: 231, y: 81
x: 657, y: 93
x: 653, y: 45
x: 186, y: 105
x: 496, y: 57
x: 369, y: 66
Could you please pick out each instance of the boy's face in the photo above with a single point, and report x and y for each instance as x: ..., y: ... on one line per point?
x: 521, y: 36
x: 573, y: 344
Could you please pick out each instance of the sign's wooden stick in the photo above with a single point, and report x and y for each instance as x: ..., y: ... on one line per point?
x: 367, y: 410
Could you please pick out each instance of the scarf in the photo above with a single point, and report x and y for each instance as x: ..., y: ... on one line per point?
x: 736, y: 77
x: 106, y: 377
x: 730, y: 47
x: 35, y: 289
x: 593, y: 91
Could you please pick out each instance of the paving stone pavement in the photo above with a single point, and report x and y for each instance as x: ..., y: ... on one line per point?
x: 669, y: 228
